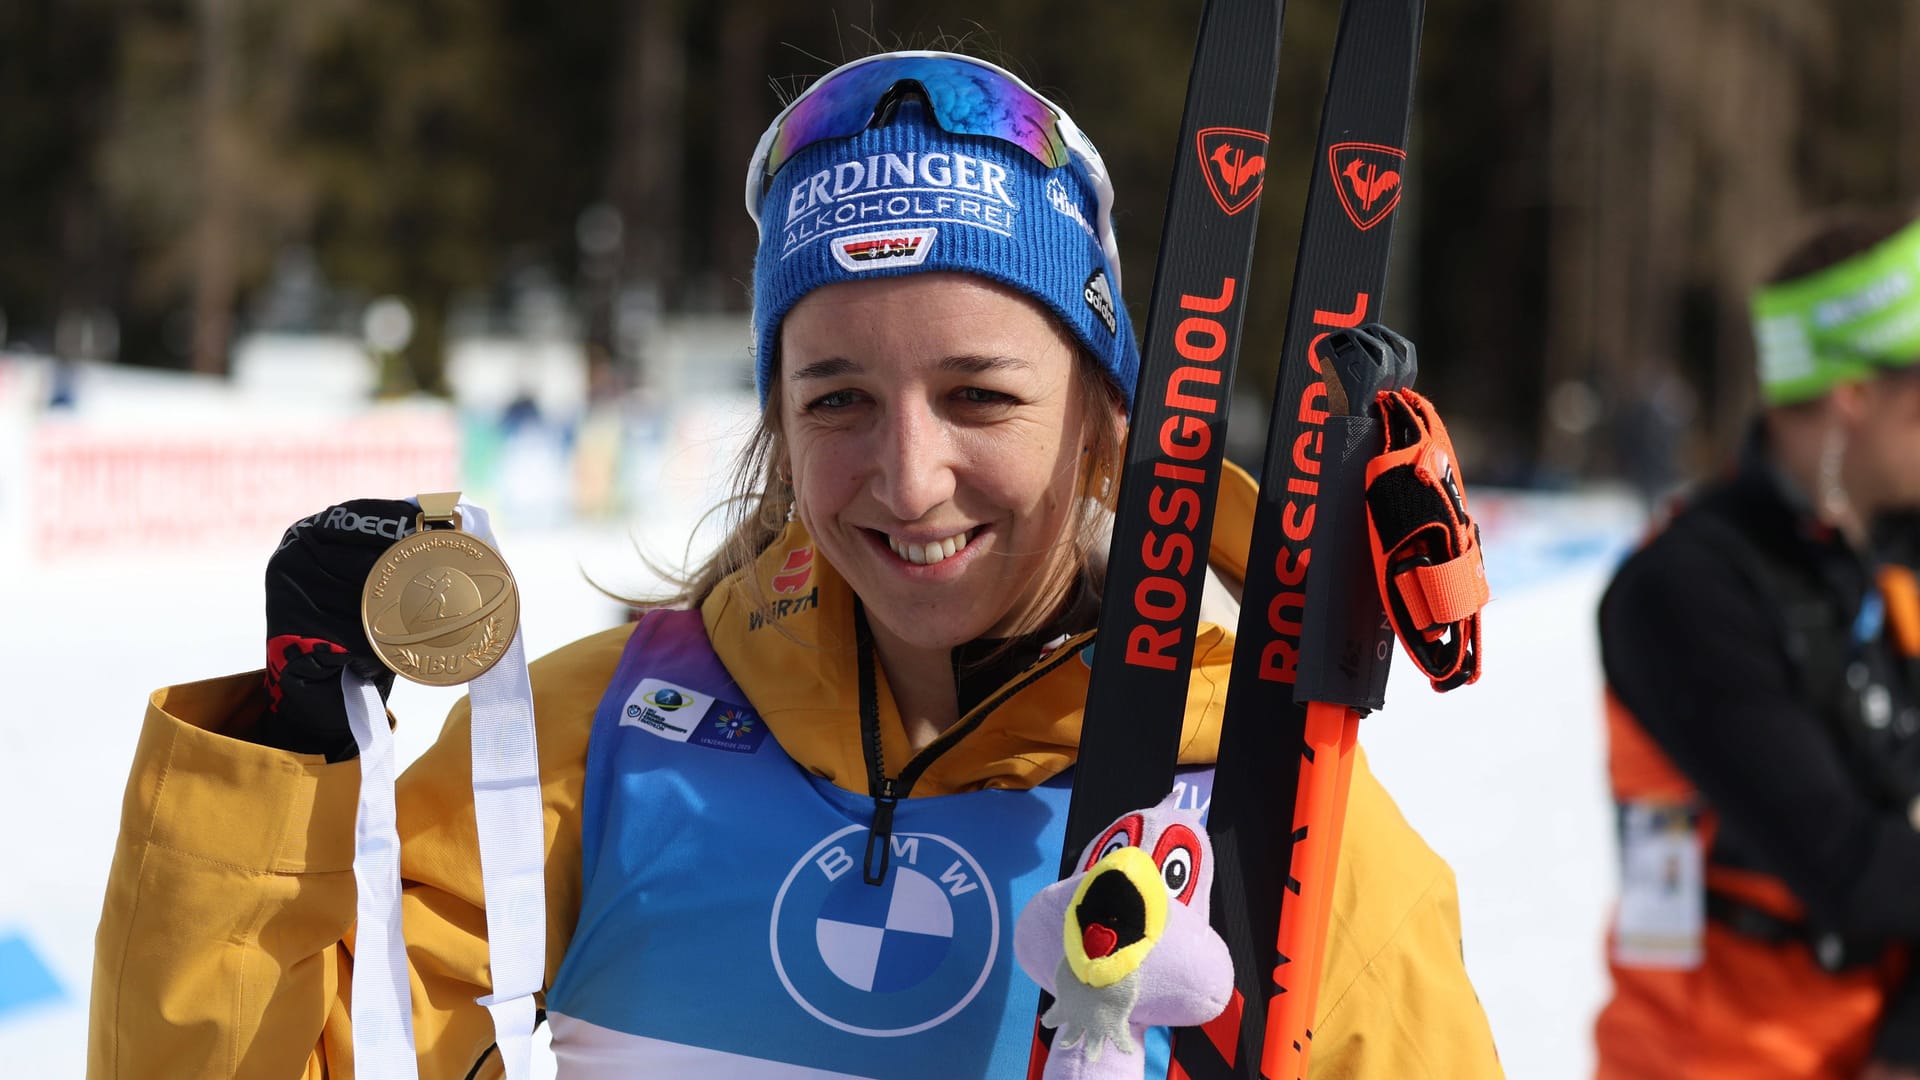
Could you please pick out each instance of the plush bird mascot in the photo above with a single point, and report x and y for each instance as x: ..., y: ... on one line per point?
x: 1124, y: 944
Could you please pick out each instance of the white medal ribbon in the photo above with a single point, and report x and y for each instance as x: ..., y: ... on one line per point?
x: 382, y: 1008
x: 511, y: 824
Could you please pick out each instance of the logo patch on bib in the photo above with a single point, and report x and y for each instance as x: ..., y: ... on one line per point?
x: 689, y: 716
x: 731, y: 727
x: 669, y: 711
x: 890, y: 959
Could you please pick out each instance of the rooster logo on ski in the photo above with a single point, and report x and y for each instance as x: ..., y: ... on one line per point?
x: 1235, y: 162
x: 1367, y: 176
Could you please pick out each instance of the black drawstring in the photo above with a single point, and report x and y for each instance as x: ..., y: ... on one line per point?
x: 887, y: 791
x: 880, y: 786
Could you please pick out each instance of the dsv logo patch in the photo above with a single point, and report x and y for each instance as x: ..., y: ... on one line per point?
x: 881, y: 250
x: 890, y: 959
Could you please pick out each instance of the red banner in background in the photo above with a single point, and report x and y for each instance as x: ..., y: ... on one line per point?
x: 94, y: 488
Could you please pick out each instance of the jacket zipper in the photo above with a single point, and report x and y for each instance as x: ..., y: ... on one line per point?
x: 887, y: 791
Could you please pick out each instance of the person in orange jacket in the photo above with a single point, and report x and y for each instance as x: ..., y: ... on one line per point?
x: 789, y: 821
x: 1762, y: 657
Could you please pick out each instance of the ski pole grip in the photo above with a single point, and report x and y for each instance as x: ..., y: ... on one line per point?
x: 1346, y: 642
x: 1346, y: 645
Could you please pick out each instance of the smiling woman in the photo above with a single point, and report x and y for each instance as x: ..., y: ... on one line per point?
x: 935, y: 428
x: 792, y: 814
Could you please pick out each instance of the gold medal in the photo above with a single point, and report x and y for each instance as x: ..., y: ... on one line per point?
x: 440, y: 606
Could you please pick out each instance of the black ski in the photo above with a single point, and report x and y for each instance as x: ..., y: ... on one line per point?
x: 1163, y: 523
x: 1343, y: 653
x: 1163, y: 520
x: 1176, y: 436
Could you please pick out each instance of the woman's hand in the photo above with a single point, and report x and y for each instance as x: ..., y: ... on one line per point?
x: 314, y: 581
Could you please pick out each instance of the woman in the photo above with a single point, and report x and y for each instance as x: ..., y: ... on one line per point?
x: 790, y: 822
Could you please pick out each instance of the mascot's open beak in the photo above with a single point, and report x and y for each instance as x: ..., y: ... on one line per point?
x: 1117, y: 916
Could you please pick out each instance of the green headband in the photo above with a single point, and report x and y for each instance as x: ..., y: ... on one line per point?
x: 1841, y: 324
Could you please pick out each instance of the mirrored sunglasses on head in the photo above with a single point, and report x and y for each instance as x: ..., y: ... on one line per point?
x: 966, y: 96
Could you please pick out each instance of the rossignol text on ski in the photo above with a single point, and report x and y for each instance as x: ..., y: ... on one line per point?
x: 1312, y: 647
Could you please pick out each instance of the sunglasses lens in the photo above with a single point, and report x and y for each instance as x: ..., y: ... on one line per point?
x: 967, y: 99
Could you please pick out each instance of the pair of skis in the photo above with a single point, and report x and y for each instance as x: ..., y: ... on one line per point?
x: 1313, y: 646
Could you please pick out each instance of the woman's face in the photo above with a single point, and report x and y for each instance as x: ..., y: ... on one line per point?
x: 935, y: 434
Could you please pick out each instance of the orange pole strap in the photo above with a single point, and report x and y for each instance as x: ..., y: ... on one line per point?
x: 1316, y: 821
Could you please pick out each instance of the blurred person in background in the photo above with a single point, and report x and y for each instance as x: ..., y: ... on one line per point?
x: 1762, y: 656
x: 893, y: 646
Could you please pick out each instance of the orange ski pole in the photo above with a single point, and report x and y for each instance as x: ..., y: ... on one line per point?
x: 1327, y: 871
x: 1431, y: 586
x: 1319, y: 813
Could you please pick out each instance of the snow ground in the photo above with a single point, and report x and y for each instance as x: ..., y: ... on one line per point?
x: 1505, y: 779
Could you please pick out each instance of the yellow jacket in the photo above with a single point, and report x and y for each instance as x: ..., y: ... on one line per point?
x: 225, y: 942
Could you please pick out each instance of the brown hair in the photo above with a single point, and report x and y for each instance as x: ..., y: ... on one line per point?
x: 1839, y: 235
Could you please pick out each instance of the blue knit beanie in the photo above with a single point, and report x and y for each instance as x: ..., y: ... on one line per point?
x: 910, y: 198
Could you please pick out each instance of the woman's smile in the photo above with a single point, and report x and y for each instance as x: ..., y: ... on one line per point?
x: 932, y: 552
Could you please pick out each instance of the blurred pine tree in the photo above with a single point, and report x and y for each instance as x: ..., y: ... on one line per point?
x: 1595, y: 183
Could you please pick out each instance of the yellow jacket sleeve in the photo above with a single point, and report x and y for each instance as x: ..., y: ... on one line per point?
x: 225, y: 941
x: 1395, y: 1001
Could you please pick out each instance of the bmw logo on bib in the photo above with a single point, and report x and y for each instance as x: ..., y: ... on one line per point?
x: 890, y: 959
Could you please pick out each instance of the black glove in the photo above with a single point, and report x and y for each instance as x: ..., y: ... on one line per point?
x: 314, y: 581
